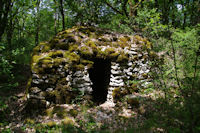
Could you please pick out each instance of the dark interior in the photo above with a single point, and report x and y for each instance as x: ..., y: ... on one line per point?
x: 100, y: 77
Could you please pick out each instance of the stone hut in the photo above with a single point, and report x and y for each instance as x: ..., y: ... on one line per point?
x: 87, y: 63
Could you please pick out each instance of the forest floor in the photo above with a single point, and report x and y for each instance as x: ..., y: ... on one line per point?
x: 102, y: 118
x: 77, y: 117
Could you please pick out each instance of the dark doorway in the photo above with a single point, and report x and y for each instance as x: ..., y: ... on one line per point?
x: 100, y: 77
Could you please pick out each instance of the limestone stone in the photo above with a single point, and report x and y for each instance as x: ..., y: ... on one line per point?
x: 38, y: 81
x: 35, y: 90
x: 49, y: 89
x: 114, y: 72
x: 116, y: 84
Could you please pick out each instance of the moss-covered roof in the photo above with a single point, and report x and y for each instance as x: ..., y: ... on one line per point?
x: 78, y: 46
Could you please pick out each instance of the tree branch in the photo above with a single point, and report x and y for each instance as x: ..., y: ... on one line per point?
x: 114, y: 9
x: 124, y: 7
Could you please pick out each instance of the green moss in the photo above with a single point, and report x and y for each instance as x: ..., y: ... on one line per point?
x: 122, y: 44
x: 49, y: 112
x: 93, y: 35
x: 38, y: 70
x: 29, y: 121
x: 145, y: 75
x: 124, y: 39
x: 52, y: 80
x: 53, y: 95
x: 110, y: 51
x: 91, y: 44
x: 55, y: 54
x: 85, y: 62
x: 36, y: 50
x: 101, y: 54
x: 114, y: 55
x: 41, y: 48
x: 149, y: 45
x: 36, y: 66
x: 54, y: 41
x: 45, y: 48
x: 133, y: 101
x: 153, y: 55
x: 73, y: 112
x: 62, y: 81
x: 73, y: 48
x: 117, y: 94
x: 134, y: 88
x: 70, y: 30
x: 62, y: 45
x: 138, y: 39
x: 85, y: 30
x: 78, y: 67
x: 62, y: 113
x: 36, y: 58
x: 66, y: 67
x: 91, y: 29
x: 86, y: 51
x: 64, y: 94
x: 100, y: 32
x: 114, y: 44
x: 68, y: 122
x: 45, y: 58
x: 127, y: 38
x: 125, y: 92
x: 135, y: 58
x: 72, y: 57
x: 45, y: 62
x: 58, y: 61
x: 51, y: 124
x: 122, y: 58
x: 134, y: 76
x: 66, y: 54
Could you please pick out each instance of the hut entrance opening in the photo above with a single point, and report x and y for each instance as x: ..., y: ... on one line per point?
x: 100, y: 76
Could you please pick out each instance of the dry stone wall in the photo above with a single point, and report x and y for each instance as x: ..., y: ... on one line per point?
x: 61, y: 67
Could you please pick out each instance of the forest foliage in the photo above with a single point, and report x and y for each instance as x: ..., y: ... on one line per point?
x: 173, y: 26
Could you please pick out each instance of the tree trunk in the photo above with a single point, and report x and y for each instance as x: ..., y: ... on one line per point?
x: 135, y: 10
x: 5, y: 6
x: 37, y: 22
x: 130, y: 8
x: 184, y: 15
x: 156, y: 4
x: 10, y: 33
x: 165, y: 12
x: 172, y: 12
x: 62, y: 14
x: 55, y: 23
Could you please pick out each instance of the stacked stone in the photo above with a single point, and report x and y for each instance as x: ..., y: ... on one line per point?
x: 116, y: 79
x: 137, y: 68
x: 60, y: 74
x: 133, y: 70
x: 81, y: 81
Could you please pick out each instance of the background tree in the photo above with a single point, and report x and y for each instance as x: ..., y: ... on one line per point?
x: 5, y: 6
x: 37, y: 21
